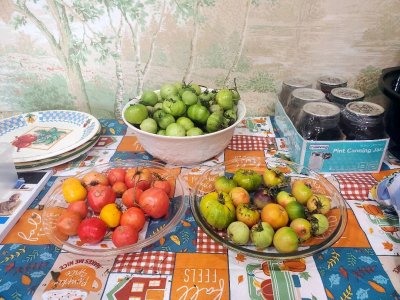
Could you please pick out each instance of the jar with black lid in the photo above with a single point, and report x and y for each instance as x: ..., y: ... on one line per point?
x: 319, y: 121
x: 362, y: 120
x: 289, y: 85
x: 327, y: 83
x: 344, y: 95
x: 299, y: 98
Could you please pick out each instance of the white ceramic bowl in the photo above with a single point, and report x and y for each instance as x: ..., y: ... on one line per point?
x: 185, y: 150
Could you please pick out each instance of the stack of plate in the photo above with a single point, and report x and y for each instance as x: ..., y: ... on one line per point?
x: 45, y: 139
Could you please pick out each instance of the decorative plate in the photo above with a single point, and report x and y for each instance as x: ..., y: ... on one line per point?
x: 59, y: 159
x: 45, y: 134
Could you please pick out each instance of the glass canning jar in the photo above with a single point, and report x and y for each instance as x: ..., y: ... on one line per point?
x: 344, y: 95
x: 319, y: 121
x: 289, y: 85
x: 327, y: 82
x: 299, y: 98
x: 362, y: 120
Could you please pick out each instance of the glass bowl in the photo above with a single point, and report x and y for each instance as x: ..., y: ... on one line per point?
x: 56, y: 204
x: 337, y: 216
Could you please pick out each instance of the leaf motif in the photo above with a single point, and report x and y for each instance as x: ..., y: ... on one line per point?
x: 344, y: 272
x: 376, y: 286
x: 162, y: 241
x: 329, y: 294
x: 26, y: 280
x: 185, y: 223
x: 240, y: 257
x: 175, y: 239
x: 112, y: 130
x: 388, y: 246
x: 371, y: 230
x: 347, y: 294
x: 240, y: 279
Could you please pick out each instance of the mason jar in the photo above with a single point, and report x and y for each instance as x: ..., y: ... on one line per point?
x: 289, y: 85
x: 327, y: 82
x: 319, y: 121
x: 299, y: 98
x: 362, y: 120
x: 344, y: 95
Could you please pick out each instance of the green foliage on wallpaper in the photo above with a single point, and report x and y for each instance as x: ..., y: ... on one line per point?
x: 101, y: 97
x: 367, y: 81
x: 260, y: 82
x: 44, y: 94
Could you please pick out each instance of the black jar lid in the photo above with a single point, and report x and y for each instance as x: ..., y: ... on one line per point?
x: 322, y: 110
x: 347, y: 94
x: 308, y: 94
x: 332, y: 81
x: 365, y: 109
x: 296, y: 82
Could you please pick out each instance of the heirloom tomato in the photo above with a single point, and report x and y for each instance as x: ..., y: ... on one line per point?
x: 68, y: 222
x: 248, y: 214
x: 99, y: 196
x: 138, y: 177
x: 92, y: 230
x: 79, y: 207
x: 131, y: 196
x: 73, y: 190
x: 116, y: 174
x: 133, y: 217
x: 154, y: 202
x: 94, y: 178
x: 124, y: 235
x: 162, y: 183
x: 250, y: 180
x: 217, y: 209
x: 111, y: 215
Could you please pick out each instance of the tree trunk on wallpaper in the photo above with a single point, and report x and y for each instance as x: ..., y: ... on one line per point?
x: 75, y: 82
x: 241, y: 45
x: 193, y: 43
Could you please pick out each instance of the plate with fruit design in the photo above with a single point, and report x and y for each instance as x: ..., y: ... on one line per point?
x: 45, y: 134
x: 268, y: 208
x: 114, y: 208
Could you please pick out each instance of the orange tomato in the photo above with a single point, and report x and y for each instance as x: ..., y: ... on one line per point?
x: 275, y: 215
x: 111, y: 215
x: 73, y: 190
x: 68, y: 223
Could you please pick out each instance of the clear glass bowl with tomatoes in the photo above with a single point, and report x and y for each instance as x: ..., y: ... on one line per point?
x: 268, y: 208
x: 108, y: 209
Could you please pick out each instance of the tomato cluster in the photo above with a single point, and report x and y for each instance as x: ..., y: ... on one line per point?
x: 118, y: 201
x: 184, y: 110
x: 266, y: 209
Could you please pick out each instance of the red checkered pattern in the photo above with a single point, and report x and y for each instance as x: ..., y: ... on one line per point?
x: 251, y: 143
x: 205, y: 244
x: 155, y: 262
x: 355, y: 186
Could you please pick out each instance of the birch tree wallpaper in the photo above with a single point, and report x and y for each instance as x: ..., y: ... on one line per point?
x: 93, y: 55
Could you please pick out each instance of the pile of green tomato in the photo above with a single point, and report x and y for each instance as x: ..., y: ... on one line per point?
x: 182, y: 109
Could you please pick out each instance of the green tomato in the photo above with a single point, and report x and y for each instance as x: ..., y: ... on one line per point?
x: 175, y: 129
x: 235, y: 96
x: 224, y: 98
x: 166, y: 120
x: 149, y: 98
x: 174, y: 107
x: 149, y: 125
x: 198, y: 113
x: 216, y: 122
x: 224, y: 184
x: 136, y: 113
x: 217, y: 209
x: 194, y: 131
x: 195, y: 88
x: 189, y: 98
x: 158, y: 106
x: 159, y: 114
x: 162, y: 132
x: 185, y: 122
x: 250, y: 180
x: 262, y: 235
x: 215, y: 108
x: 231, y: 116
x: 168, y: 90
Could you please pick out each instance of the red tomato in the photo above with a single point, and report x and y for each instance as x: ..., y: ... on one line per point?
x: 119, y: 188
x: 94, y: 178
x: 161, y: 183
x: 99, y: 196
x: 116, y: 174
x: 131, y: 196
x: 138, y: 177
x: 92, y: 230
x: 124, y: 235
x: 154, y: 202
x: 80, y: 207
x: 68, y: 222
x: 133, y: 217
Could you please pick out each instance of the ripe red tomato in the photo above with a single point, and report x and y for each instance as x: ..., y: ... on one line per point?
x: 154, y: 202
x: 133, y: 217
x: 92, y: 230
x: 119, y: 188
x: 94, y: 178
x: 68, y: 222
x: 116, y: 174
x: 141, y: 178
x: 99, y: 196
x: 124, y: 235
x: 163, y: 184
x: 131, y: 196
x: 80, y: 207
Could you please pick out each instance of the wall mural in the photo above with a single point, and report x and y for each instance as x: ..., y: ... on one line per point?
x: 93, y: 55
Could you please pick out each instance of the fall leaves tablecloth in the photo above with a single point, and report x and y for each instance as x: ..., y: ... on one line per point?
x: 187, y: 264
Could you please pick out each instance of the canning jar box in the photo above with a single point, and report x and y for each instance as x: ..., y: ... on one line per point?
x: 331, y: 156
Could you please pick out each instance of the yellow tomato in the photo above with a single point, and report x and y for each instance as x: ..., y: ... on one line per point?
x: 73, y: 190
x: 111, y: 215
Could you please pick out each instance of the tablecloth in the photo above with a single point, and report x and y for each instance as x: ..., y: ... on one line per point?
x: 186, y: 264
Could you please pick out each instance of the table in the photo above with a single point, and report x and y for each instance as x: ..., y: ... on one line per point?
x: 187, y: 264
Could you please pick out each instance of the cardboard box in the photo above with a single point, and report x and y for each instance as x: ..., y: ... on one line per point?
x: 331, y: 156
